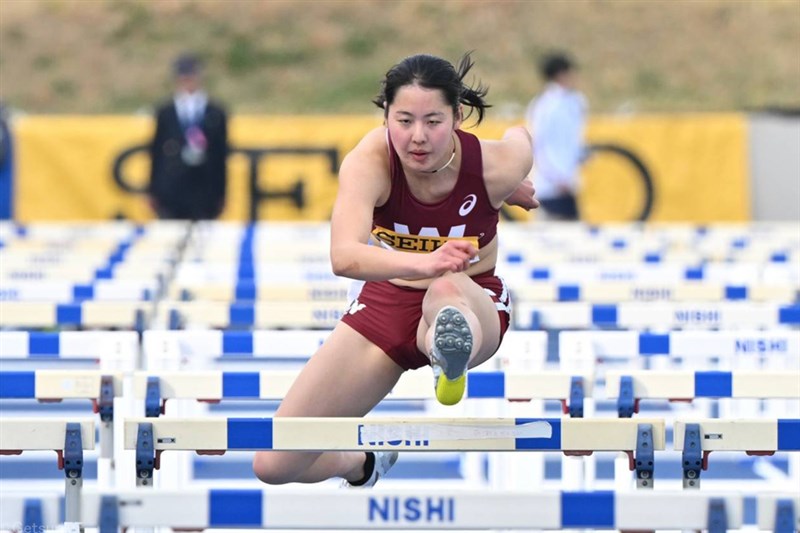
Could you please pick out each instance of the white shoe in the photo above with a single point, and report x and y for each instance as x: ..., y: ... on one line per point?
x: 384, y: 461
x: 452, y: 346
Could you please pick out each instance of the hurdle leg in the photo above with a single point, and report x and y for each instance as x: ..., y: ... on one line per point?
x: 73, y: 472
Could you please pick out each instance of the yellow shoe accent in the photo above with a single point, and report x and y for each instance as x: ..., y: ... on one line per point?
x: 450, y: 392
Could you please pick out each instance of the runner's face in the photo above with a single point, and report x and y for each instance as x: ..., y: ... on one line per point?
x: 421, y: 125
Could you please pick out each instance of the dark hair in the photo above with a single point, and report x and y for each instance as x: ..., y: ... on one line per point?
x: 554, y: 64
x: 433, y: 72
x: 186, y: 64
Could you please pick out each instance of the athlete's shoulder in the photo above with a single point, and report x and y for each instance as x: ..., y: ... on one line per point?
x: 371, y: 149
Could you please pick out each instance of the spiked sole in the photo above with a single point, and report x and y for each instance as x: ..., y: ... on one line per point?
x: 452, y: 346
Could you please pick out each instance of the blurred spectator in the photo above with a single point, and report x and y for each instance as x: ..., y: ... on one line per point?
x: 189, y: 150
x: 6, y: 165
x: 556, y: 120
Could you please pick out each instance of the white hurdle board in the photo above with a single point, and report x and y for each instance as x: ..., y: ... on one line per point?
x: 621, y: 291
x: 65, y: 291
x: 109, y: 350
x: 742, y: 435
x: 48, y: 385
x: 663, y: 315
x: 218, y: 385
x: 681, y: 385
x: 28, y: 434
x: 258, y: 314
x: 18, y: 435
x: 443, y: 434
x: 381, y: 509
x: 55, y: 385
x: 697, y: 438
x: 744, y: 343
x: 89, y: 313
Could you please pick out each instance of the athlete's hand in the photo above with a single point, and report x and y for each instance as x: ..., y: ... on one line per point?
x: 523, y: 196
x: 452, y: 256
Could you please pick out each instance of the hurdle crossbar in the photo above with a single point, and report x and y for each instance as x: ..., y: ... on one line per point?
x: 30, y: 511
x: 28, y: 434
x: 696, y: 439
x: 270, y: 385
x: 442, y: 434
x: 418, y: 509
x: 743, y: 435
x: 778, y: 512
x: 67, y: 439
x: 705, y: 384
x: 48, y: 385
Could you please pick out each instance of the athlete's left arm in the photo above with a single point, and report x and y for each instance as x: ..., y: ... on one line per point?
x: 506, y: 165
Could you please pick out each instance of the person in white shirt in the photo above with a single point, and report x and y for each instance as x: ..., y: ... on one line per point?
x: 556, y: 120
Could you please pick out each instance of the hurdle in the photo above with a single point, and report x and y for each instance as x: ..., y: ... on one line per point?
x: 56, y: 385
x: 260, y: 314
x: 218, y: 385
x: 65, y: 291
x: 576, y: 436
x: 696, y: 439
x: 165, y: 350
x: 246, y: 290
x: 620, y: 291
x: 778, y: 512
x: 671, y: 315
x: 108, y: 350
x: 727, y: 273
x: 30, y: 511
x: 86, y: 314
x: 381, y: 509
x: 68, y: 439
x: 745, y: 344
x: 631, y: 387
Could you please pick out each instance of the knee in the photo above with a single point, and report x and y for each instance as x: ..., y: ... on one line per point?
x: 272, y: 470
x: 444, y: 287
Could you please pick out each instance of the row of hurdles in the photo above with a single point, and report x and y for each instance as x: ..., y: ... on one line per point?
x: 572, y: 435
x: 743, y: 279
x: 198, y: 509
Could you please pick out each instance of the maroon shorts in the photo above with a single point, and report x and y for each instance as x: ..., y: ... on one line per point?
x: 388, y: 316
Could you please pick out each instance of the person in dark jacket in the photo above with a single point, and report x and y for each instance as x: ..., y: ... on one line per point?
x: 189, y: 150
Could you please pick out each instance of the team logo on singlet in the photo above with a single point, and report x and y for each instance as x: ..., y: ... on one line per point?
x: 355, y: 307
x: 469, y: 203
x: 427, y: 241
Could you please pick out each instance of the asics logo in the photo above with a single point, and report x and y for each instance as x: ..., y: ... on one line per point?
x: 469, y: 203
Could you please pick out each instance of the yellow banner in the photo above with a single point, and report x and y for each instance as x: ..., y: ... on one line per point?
x: 697, y: 165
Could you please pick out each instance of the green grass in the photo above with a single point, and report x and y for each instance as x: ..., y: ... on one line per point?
x: 328, y: 56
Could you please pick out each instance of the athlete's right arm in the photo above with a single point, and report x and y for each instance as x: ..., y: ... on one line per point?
x: 364, y: 183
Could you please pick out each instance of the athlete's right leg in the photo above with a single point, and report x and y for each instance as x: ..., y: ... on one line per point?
x: 459, y: 329
x: 347, y: 377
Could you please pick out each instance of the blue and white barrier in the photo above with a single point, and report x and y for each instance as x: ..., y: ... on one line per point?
x: 662, y: 315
